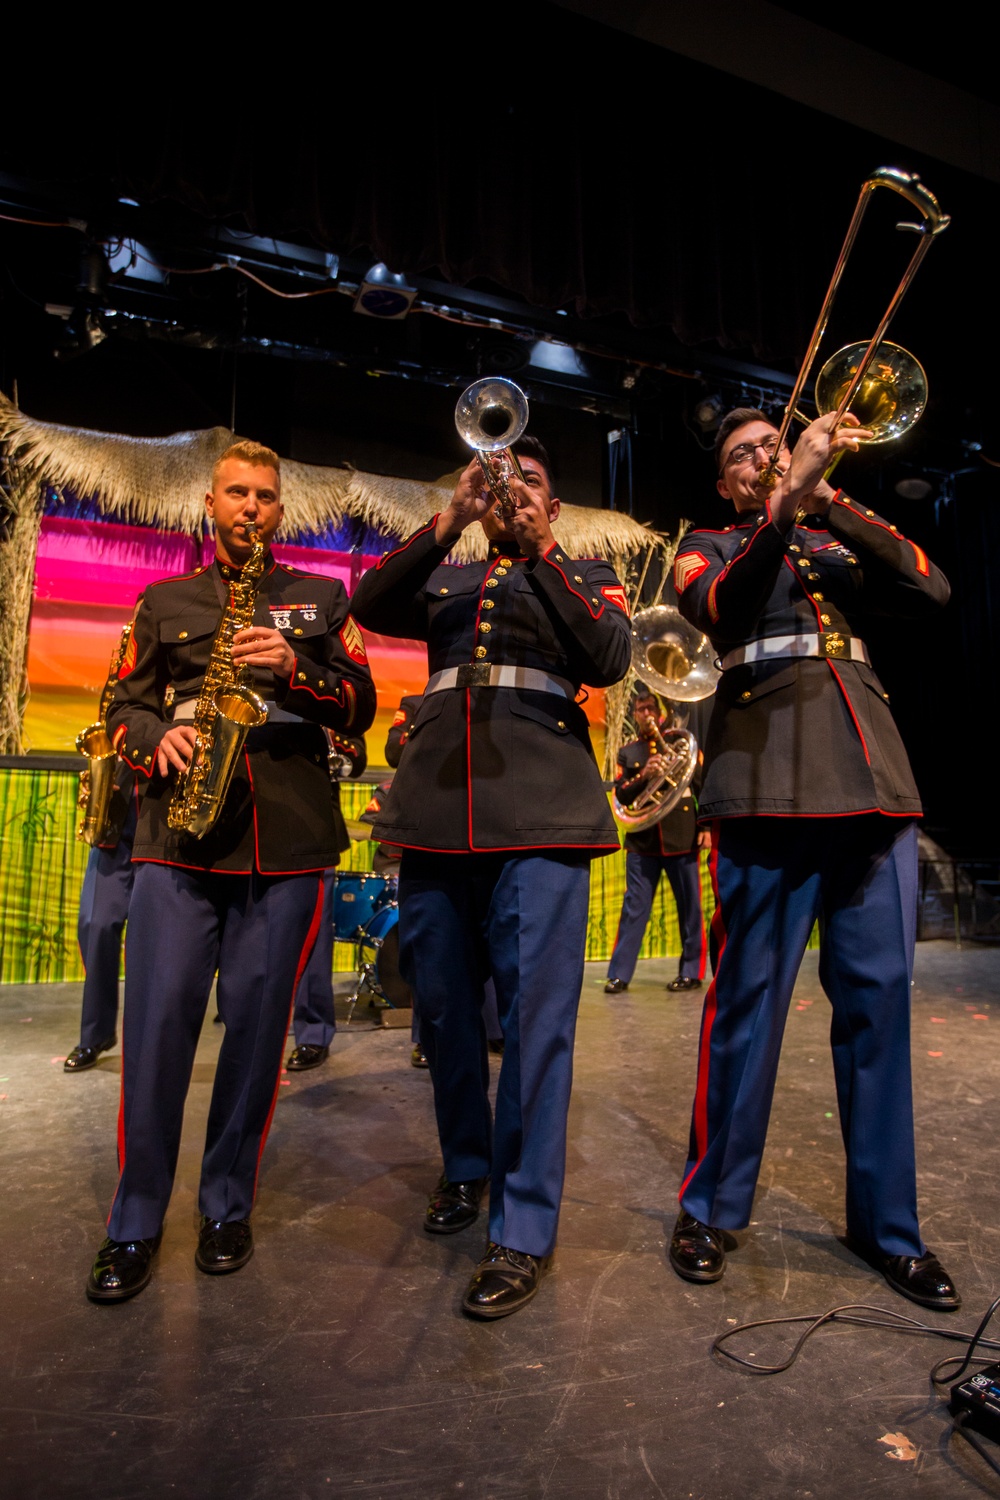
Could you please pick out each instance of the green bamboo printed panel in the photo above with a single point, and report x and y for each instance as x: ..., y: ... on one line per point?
x: 42, y: 865
x: 41, y: 869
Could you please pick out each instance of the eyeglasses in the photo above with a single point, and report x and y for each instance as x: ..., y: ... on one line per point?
x: 745, y: 453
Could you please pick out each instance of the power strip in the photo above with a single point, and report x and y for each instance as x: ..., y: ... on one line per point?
x: 978, y: 1400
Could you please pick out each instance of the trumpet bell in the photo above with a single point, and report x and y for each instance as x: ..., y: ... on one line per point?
x: 491, y: 414
x: 892, y: 396
x: 672, y: 657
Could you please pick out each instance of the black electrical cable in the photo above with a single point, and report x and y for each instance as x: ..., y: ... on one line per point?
x: 899, y: 1324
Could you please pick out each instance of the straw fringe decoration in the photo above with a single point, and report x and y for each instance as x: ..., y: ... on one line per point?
x: 162, y: 482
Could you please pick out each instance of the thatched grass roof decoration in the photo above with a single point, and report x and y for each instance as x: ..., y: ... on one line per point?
x: 162, y: 482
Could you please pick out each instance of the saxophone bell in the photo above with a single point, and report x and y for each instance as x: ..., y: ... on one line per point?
x: 97, y: 784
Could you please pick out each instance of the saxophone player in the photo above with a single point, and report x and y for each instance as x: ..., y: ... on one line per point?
x: 243, y: 898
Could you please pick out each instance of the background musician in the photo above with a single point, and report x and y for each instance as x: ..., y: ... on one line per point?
x: 245, y: 899
x: 670, y: 847
x: 499, y: 807
x: 813, y: 808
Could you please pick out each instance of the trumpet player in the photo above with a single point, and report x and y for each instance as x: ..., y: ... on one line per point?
x: 813, y: 811
x: 243, y: 900
x: 670, y: 847
x: 499, y: 808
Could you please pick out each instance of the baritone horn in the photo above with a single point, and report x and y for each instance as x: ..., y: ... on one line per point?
x: 672, y: 658
x: 491, y: 415
x: 882, y: 384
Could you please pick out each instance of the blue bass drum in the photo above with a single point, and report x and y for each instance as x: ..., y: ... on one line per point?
x: 356, y: 895
x: 378, y: 958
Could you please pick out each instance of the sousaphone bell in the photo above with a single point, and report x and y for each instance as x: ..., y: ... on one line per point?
x: 672, y: 658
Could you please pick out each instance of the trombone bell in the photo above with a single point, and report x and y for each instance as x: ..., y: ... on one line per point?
x: 892, y: 395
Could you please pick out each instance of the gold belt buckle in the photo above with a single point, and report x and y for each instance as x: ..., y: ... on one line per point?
x: 833, y: 643
x: 474, y: 674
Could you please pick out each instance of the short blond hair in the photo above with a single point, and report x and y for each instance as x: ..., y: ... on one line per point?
x: 249, y: 452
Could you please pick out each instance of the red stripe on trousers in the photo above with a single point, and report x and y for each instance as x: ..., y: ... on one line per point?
x: 701, y: 1091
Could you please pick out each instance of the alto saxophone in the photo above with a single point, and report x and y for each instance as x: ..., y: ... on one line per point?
x: 97, y: 781
x: 227, y: 709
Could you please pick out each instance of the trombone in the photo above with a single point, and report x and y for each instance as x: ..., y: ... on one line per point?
x: 491, y: 415
x: 898, y: 387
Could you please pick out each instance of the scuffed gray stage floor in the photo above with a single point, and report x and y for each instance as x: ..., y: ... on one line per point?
x: 337, y: 1363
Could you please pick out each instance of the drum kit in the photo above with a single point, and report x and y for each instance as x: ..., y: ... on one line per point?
x: 366, y: 912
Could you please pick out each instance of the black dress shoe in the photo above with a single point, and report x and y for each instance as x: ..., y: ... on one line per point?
x: 454, y: 1205
x: 223, y: 1247
x: 122, y: 1268
x: 683, y: 982
x: 504, y: 1281
x: 697, y: 1251
x: 418, y: 1057
x: 615, y: 986
x: 306, y: 1057
x: 921, y: 1278
x: 82, y: 1058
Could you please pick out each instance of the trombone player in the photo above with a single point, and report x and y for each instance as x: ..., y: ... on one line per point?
x: 813, y: 811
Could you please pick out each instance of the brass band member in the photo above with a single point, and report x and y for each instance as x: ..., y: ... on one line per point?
x: 246, y: 898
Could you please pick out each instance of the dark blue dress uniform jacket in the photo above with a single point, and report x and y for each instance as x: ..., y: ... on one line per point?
x: 809, y: 736
x: 499, y: 768
x: 279, y: 816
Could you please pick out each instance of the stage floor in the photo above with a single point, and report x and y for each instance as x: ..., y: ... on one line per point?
x: 338, y: 1363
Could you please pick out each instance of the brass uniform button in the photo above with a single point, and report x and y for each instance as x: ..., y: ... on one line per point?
x: 819, y: 598
x: 442, y: 591
x: 485, y: 627
x: 559, y: 557
x: 561, y: 724
x: 825, y: 619
x: 297, y: 630
x: 802, y: 563
x: 491, y: 583
x: 576, y: 579
x: 322, y: 682
x: 148, y: 759
x: 183, y: 635
x: 894, y: 529
x: 480, y: 652
x: 886, y: 697
x: 595, y: 601
x: 869, y: 512
x: 812, y: 577
x: 744, y: 542
x: 745, y: 695
x: 488, y: 603
x: 300, y: 677
x: 794, y: 548
x: 852, y: 562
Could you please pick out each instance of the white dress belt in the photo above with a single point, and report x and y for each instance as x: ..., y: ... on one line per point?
x: 184, y: 713
x: 482, y: 674
x: 828, y: 643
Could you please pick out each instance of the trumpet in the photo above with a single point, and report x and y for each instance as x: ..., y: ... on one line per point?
x: 491, y: 415
x: 887, y: 382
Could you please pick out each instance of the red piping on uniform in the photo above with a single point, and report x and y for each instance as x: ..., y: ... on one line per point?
x: 508, y: 848
x: 587, y: 605
x: 850, y: 707
x: 307, y: 948
x: 397, y: 550
x: 468, y: 761
x: 700, y: 1109
x: 175, y: 864
x: 809, y: 598
x: 860, y: 812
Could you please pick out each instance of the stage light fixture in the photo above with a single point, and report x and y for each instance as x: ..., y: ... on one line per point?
x: 913, y: 488
x: 708, y: 413
x: 384, y: 294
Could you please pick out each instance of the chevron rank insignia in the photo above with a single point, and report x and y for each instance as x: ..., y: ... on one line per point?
x: 688, y: 568
x: 353, y: 640
x: 615, y: 594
